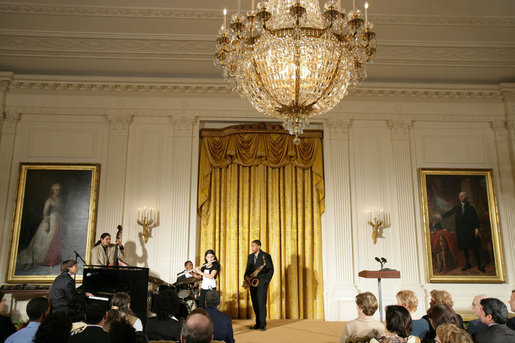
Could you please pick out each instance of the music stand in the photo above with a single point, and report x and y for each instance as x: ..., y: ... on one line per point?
x: 380, y: 274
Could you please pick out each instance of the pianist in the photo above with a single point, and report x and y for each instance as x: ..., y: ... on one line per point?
x: 103, y: 254
x: 63, y: 290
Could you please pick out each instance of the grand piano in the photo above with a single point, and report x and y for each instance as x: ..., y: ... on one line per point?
x: 104, y: 281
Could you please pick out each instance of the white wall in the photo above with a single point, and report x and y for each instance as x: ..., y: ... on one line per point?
x: 145, y: 134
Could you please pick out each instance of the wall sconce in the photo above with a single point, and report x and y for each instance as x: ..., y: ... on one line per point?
x: 147, y: 219
x: 378, y: 219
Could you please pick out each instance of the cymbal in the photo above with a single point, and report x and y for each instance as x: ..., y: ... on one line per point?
x: 190, y: 279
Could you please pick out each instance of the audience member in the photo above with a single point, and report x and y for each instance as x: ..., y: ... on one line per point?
x: 476, y: 325
x: 409, y: 300
x: 122, y: 332
x: 450, y: 333
x: 95, y: 319
x: 440, y: 314
x: 494, y: 313
x: 54, y: 329
x: 222, y: 323
x: 198, y: 328
x: 77, y: 313
x: 6, y: 325
x: 441, y: 297
x: 37, y: 309
x: 398, y: 326
x: 511, y: 321
x: 165, y: 326
x: 364, y: 325
x: 121, y: 309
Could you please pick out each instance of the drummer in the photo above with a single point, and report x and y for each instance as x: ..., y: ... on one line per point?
x: 189, y: 272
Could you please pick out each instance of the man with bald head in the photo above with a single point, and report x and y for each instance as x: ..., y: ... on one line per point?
x: 467, y: 226
x: 198, y: 328
x: 476, y: 325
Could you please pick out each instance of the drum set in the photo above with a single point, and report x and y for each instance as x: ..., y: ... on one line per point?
x: 188, y: 291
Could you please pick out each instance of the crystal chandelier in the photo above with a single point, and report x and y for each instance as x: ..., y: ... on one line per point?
x: 290, y: 61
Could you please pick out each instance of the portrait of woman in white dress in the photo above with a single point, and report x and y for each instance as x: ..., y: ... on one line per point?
x: 44, y: 248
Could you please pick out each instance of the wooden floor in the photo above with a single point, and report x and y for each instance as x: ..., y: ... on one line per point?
x: 288, y: 330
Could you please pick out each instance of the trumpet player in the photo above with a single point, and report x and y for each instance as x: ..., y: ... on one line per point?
x: 259, y: 293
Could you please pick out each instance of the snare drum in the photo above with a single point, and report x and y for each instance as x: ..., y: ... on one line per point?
x: 184, y: 293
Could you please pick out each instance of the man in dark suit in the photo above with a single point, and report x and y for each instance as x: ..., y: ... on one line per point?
x: 467, y: 229
x: 94, y: 332
x: 63, y: 288
x: 222, y: 323
x: 494, y: 313
x: 259, y: 294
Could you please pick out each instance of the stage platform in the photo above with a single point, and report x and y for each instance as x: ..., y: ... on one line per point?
x: 288, y: 330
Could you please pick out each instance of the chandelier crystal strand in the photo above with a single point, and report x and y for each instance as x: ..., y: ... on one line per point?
x: 292, y: 61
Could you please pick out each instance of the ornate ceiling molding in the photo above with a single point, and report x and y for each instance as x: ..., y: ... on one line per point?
x: 218, y: 87
x: 224, y: 114
x: 200, y: 48
x: 215, y: 14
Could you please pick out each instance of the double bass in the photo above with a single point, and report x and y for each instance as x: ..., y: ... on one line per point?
x: 116, y: 261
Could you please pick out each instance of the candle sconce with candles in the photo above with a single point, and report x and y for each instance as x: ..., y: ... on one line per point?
x: 378, y: 219
x: 148, y: 219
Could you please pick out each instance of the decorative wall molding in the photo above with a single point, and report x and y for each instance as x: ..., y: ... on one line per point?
x: 183, y: 125
x: 10, y: 119
x: 339, y: 129
x: 500, y: 128
x: 119, y: 124
x: 176, y: 13
x: 400, y: 129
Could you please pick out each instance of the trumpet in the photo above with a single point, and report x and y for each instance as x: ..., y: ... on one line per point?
x: 193, y: 270
x: 252, y: 279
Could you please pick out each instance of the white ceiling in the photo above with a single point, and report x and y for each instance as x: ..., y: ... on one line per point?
x: 453, y: 41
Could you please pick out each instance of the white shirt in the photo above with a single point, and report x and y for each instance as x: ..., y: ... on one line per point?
x: 208, y: 283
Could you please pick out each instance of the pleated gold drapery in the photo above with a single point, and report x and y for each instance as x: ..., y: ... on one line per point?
x: 259, y: 185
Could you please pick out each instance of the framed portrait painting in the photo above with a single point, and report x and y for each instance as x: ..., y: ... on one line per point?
x: 461, y: 227
x: 55, y: 217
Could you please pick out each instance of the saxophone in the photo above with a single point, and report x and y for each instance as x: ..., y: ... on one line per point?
x: 252, y: 279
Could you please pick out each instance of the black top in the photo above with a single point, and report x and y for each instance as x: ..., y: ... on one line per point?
x: 166, y: 329
x: 6, y: 328
x: 62, y: 292
x: 214, y: 266
x: 497, y: 333
x: 91, y: 334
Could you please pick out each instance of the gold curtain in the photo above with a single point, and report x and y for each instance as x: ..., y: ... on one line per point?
x: 259, y: 185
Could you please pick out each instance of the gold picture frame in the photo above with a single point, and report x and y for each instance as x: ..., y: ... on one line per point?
x: 55, y: 217
x: 461, y: 227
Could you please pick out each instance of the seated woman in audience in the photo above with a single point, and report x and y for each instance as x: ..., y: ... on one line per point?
x: 450, y: 333
x: 121, y: 310
x: 6, y: 325
x: 398, y: 326
x: 364, y: 325
x: 409, y: 300
x: 440, y: 314
x: 441, y: 297
x: 165, y: 326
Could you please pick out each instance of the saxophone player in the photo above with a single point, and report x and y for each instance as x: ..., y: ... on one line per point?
x: 259, y: 294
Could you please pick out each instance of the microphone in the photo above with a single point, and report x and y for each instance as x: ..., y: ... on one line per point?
x: 378, y: 259
x: 383, y: 260
x: 77, y: 255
